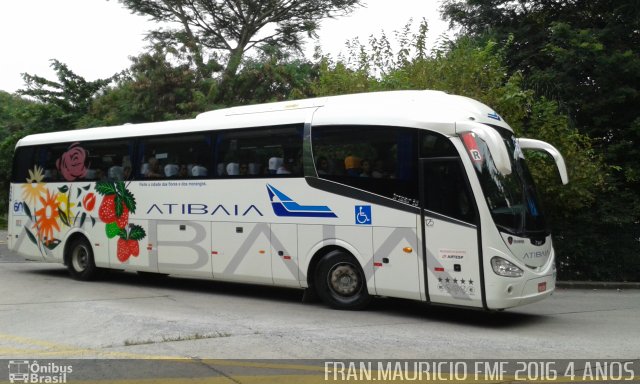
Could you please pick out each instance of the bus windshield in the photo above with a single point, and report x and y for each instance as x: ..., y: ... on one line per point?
x: 512, y: 199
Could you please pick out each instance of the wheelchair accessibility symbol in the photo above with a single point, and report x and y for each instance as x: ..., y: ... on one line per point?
x: 363, y: 214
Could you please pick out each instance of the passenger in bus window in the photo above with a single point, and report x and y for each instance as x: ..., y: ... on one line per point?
x: 220, y: 169
x: 378, y: 170
x: 153, y: 170
x: 254, y: 169
x: 274, y: 164
x: 100, y: 175
x: 285, y: 167
x: 126, y: 172
x: 322, y: 166
x: 365, y: 166
x: 352, y: 165
x: 183, y: 173
x: 244, y: 169
x: 116, y: 173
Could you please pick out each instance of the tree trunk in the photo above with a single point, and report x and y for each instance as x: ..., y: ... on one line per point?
x: 194, y: 47
x: 225, y: 89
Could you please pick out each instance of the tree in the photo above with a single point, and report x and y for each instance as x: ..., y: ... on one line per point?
x: 583, y: 54
x: 71, y: 93
x: 477, y: 69
x: 211, y: 31
x: 274, y: 76
x: 20, y: 117
x: 152, y: 89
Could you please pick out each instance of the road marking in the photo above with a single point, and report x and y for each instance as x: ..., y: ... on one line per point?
x: 48, y: 348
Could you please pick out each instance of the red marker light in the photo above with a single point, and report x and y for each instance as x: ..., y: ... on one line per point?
x: 377, y: 264
x: 439, y: 269
x: 542, y: 286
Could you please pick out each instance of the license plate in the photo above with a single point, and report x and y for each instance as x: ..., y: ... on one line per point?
x: 542, y: 286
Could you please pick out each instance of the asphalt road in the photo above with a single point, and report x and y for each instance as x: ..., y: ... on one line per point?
x: 46, y: 314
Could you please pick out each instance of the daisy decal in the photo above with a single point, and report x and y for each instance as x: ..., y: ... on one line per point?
x: 34, y: 188
x: 47, y: 217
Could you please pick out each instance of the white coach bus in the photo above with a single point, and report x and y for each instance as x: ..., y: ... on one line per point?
x: 410, y: 194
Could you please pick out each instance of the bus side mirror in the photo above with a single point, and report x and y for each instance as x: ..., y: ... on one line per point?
x: 494, y: 141
x: 538, y: 145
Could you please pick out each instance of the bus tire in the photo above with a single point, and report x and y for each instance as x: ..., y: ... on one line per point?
x: 80, y: 261
x: 340, y: 282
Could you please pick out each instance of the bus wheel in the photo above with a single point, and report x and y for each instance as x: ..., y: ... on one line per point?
x: 340, y: 281
x: 80, y: 263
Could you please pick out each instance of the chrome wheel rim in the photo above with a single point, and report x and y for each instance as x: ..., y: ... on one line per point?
x: 344, y: 279
x: 80, y: 258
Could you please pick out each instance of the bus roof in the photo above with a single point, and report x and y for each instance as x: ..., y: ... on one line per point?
x: 434, y: 110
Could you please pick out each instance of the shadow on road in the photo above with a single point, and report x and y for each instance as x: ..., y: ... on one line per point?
x: 396, y: 307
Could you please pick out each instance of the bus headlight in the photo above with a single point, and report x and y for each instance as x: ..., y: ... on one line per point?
x: 506, y: 268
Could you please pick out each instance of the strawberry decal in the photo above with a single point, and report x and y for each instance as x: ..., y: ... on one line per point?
x: 107, y: 210
x: 128, y: 243
x: 114, y: 210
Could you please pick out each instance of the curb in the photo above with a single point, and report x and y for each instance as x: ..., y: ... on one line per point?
x: 597, y: 285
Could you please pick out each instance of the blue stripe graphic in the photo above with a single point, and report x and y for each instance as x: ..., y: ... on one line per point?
x: 285, y: 206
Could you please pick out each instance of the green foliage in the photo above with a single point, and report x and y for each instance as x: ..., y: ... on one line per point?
x: 152, y: 89
x: 583, y: 55
x: 72, y: 94
x: 550, y: 74
x: 477, y: 69
x: 20, y: 117
x: 208, y: 33
x: 273, y: 76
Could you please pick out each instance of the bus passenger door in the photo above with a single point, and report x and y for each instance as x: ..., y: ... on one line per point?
x: 450, y: 233
x: 241, y: 252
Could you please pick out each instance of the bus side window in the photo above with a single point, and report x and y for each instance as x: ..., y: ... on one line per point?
x: 446, y: 190
x: 182, y: 156
x: 23, y: 162
x: 379, y: 159
x: 260, y: 152
x: 435, y: 145
x: 108, y: 160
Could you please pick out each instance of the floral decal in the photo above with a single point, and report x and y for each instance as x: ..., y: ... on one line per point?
x: 50, y: 210
x: 34, y: 188
x: 53, y: 210
x: 47, y: 217
x: 114, y: 210
x: 89, y: 201
x: 72, y: 163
